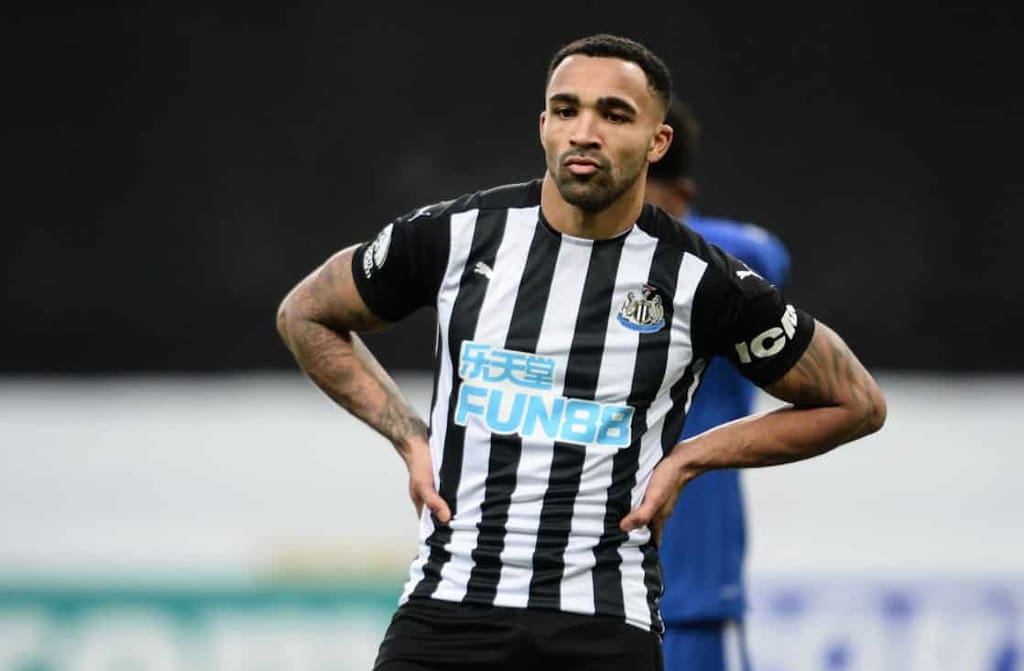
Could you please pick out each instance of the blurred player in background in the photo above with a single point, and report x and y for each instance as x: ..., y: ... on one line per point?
x: 703, y: 546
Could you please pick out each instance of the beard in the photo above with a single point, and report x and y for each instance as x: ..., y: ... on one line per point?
x: 594, y: 192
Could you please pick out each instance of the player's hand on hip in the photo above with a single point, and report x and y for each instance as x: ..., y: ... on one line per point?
x: 659, y: 500
x: 421, y: 482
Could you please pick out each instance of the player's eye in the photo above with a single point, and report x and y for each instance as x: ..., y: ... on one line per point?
x: 565, y: 112
x: 616, y: 118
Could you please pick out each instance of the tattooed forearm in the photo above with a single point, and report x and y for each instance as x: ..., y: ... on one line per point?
x: 317, y: 321
x: 397, y: 421
x: 347, y: 372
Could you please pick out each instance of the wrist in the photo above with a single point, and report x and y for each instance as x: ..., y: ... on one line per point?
x: 412, y: 448
x: 684, y: 463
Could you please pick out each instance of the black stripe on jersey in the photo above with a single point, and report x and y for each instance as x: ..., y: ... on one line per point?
x: 653, y: 583
x: 648, y: 373
x: 534, y: 288
x: 676, y: 416
x: 524, y: 332
x: 437, y: 376
x: 581, y: 376
x: 487, y: 235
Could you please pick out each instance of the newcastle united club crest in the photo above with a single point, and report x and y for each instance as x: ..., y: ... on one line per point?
x: 643, y: 313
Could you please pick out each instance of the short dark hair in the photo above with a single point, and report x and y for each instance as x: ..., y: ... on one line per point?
x: 678, y: 161
x: 659, y: 78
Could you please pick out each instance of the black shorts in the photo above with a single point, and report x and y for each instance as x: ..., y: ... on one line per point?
x: 434, y: 635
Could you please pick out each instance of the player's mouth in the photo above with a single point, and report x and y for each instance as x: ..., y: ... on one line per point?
x: 582, y: 165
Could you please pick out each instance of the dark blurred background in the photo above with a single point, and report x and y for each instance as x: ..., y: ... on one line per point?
x: 169, y: 173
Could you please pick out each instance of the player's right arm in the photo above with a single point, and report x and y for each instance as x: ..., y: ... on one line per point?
x: 318, y: 321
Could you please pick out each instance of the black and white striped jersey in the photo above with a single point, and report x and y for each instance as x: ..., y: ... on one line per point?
x: 563, y: 372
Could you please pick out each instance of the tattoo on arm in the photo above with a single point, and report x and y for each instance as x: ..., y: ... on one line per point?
x: 317, y: 321
x: 397, y: 418
x: 332, y: 289
x: 397, y: 421
x: 829, y: 374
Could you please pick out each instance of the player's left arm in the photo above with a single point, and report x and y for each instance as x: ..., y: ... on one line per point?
x: 833, y: 400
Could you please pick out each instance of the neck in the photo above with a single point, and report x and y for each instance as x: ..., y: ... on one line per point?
x: 566, y: 218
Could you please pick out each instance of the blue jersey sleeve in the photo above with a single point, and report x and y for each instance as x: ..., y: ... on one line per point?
x: 763, y: 252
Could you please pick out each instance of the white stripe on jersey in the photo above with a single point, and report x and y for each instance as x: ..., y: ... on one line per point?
x: 680, y: 353
x: 614, y: 384
x: 462, y: 226
x: 492, y: 327
x: 556, y: 334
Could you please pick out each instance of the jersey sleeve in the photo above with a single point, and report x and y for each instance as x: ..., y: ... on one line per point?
x: 743, y: 317
x: 765, y: 254
x: 401, y: 269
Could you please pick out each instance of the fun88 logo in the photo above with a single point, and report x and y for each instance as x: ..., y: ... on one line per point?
x: 510, y: 392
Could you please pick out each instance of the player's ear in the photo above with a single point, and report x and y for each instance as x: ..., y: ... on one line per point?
x: 659, y: 143
x: 543, y: 120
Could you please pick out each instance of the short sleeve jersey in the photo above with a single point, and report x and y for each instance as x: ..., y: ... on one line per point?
x: 564, y: 371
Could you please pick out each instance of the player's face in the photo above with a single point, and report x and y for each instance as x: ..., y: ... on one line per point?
x: 600, y: 127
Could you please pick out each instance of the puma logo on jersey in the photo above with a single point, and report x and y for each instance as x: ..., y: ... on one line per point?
x: 770, y: 341
x: 482, y: 268
x: 746, y: 273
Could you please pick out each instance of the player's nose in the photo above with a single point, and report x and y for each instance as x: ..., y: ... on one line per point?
x: 585, y: 130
